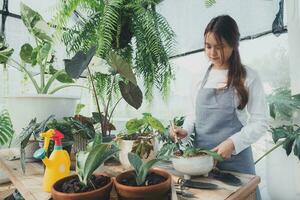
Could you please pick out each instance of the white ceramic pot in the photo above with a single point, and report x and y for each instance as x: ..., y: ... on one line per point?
x: 282, y: 174
x: 125, y: 147
x: 193, y: 166
x: 22, y: 109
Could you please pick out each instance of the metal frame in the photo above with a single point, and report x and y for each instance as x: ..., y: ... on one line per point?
x: 5, y: 13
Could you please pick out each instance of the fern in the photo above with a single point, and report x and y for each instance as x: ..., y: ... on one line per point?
x: 121, y: 26
x: 109, y: 26
x: 6, y: 129
x: 209, y: 3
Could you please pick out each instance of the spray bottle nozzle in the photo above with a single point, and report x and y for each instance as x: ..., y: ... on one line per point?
x: 57, y: 137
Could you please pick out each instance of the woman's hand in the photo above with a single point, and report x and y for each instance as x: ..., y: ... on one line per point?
x: 177, y: 132
x: 225, y: 149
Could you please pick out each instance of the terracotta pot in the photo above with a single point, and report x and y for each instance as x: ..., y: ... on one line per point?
x: 101, y: 193
x: 159, y: 191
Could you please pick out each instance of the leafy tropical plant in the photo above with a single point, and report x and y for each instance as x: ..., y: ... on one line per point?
x: 283, y: 105
x: 142, y: 132
x: 69, y: 126
x: 131, y: 28
x: 287, y: 136
x: 88, y: 161
x: 41, y: 55
x: 141, y: 169
x: 119, y: 77
x: 6, y: 128
x: 32, y: 130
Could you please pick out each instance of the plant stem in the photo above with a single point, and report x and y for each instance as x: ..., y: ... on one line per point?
x: 65, y: 86
x: 107, y: 105
x: 27, y: 72
x: 272, y: 149
x: 114, y: 108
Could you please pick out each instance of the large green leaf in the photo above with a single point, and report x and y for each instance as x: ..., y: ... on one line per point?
x: 278, y: 133
x: 297, y: 147
x: 6, y: 128
x: 44, y: 52
x: 35, y: 23
x: 131, y: 93
x: 288, y: 145
x: 155, y: 123
x: 98, y: 155
x: 81, y: 159
x: 75, y: 66
x: 135, y: 161
x: 134, y: 125
x: 120, y: 65
x: 25, y: 53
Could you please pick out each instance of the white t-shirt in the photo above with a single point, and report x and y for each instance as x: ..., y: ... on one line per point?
x: 254, y: 116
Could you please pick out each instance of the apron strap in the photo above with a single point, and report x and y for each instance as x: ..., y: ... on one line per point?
x: 206, y: 76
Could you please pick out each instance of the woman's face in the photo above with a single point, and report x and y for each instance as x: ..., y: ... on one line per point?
x: 214, y: 49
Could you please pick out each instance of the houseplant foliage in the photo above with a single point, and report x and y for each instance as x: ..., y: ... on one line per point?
x: 85, y: 185
x: 6, y: 129
x: 282, y: 106
x: 142, y: 131
x: 88, y: 161
x: 40, y: 56
x: 69, y: 126
x: 141, y: 169
x: 133, y: 29
x: 119, y: 77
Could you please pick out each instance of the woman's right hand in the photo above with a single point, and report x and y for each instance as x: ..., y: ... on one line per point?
x: 177, y: 132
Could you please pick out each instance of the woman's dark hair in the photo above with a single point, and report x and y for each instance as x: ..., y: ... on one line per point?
x: 225, y: 27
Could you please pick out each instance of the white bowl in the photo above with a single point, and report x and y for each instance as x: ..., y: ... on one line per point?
x: 193, y: 166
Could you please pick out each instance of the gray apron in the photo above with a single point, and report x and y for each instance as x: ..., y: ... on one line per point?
x: 216, y: 120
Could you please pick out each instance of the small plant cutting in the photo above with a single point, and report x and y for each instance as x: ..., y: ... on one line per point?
x: 39, y: 57
x: 143, y: 182
x: 86, y: 185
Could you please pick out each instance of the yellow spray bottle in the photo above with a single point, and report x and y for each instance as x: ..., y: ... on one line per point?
x: 58, y: 164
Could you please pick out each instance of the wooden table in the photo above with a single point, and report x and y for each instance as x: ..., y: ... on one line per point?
x: 30, y: 184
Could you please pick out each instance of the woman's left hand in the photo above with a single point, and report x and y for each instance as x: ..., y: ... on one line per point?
x: 225, y: 149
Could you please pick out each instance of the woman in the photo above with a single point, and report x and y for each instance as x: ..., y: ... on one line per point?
x: 228, y: 95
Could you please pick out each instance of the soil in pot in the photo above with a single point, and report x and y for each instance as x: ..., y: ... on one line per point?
x: 75, y: 186
x: 151, y: 179
x: 70, y: 188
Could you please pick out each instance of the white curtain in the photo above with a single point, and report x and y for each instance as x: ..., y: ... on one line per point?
x: 293, y: 14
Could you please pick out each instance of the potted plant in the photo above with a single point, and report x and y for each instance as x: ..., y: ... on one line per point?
x: 139, y: 137
x: 143, y: 182
x: 194, y: 161
x: 29, y: 139
x: 39, y: 60
x: 86, y: 185
x: 282, y: 168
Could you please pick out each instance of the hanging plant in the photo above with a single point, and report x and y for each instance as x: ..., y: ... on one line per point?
x: 131, y: 28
